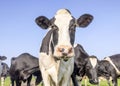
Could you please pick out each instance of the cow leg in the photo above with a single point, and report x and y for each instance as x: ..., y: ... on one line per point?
x: 46, y: 79
x: 108, y: 83
x: 12, y: 81
x: 114, y: 82
x: 114, y: 79
x: 29, y: 80
x: 38, y: 80
x: 18, y: 82
x: 74, y: 80
x: 85, y: 79
x: 79, y: 80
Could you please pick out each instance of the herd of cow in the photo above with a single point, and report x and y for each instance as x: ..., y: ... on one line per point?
x: 60, y: 60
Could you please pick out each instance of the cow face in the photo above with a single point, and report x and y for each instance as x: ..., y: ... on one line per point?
x: 5, y: 70
x: 63, y: 35
x: 91, y: 69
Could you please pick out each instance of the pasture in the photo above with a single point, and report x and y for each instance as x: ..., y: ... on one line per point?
x: 7, y: 82
x: 102, y: 83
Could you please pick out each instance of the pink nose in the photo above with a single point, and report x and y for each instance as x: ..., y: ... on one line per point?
x: 65, y: 51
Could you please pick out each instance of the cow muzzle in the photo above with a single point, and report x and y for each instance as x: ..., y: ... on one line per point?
x: 64, y: 52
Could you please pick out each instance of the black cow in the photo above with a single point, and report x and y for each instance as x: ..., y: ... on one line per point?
x: 110, y: 68
x: 84, y: 65
x: 23, y: 67
x: 57, y: 52
x: 5, y: 72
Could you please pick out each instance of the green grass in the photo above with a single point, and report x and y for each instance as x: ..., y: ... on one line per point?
x: 7, y: 82
x: 102, y: 83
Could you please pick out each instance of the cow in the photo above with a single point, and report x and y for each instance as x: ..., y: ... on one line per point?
x: 84, y: 65
x: 23, y: 67
x: 5, y: 72
x: 109, y: 68
x: 56, y: 57
x: 1, y: 59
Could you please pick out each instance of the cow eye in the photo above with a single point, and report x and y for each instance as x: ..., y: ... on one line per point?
x: 72, y: 28
x: 54, y: 27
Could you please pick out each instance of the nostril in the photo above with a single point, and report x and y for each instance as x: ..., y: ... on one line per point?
x: 61, y: 49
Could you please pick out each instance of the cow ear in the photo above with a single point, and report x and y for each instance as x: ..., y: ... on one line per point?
x: 2, y: 63
x: 3, y: 57
x: 43, y: 22
x: 84, y: 20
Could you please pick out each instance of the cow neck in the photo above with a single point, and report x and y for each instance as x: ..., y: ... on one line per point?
x: 57, y: 63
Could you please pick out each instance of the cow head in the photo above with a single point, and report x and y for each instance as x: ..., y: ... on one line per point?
x: 5, y: 70
x: 62, y: 35
x: 91, y: 69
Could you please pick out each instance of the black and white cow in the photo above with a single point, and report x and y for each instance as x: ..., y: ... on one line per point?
x: 5, y: 72
x: 110, y: 68
x: 1, y: 59
x: 56, y: 57
x: 84, y: 65
x: 23, y: 67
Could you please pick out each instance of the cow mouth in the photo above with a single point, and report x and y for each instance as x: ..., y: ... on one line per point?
x: 65, y: 58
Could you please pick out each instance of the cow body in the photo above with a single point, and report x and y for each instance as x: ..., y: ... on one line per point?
x: 23, y: 67
x: 84, y: 65
x: 56, y: 56
x: 5, y: 72
x: 110, y: 68
x: 1, y: 59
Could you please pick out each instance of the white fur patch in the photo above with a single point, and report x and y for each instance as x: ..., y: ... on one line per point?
x: 108, y: 59
x: 62, y: 21
x: 46, y: 61
x: 93, y: 62
x: 62, y: 11
x: 75, y: 45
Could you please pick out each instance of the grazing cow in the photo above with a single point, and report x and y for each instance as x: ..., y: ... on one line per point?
x: 5, y: 72
x: 1, y: 59
x: 110, y: 68
x: 23, y: 67
x: 84, y: 65
x: 56, y: 57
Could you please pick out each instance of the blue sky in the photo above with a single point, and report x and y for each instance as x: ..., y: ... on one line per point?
x: 19, y: 32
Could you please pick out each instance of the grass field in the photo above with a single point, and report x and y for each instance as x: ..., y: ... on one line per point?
x: 102, y: 83
x: 7, y: 82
